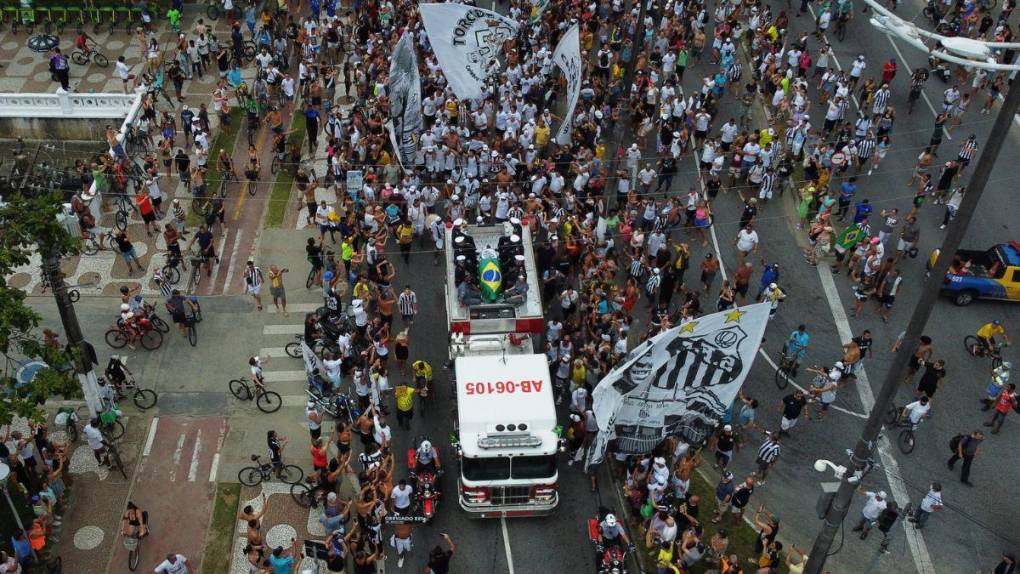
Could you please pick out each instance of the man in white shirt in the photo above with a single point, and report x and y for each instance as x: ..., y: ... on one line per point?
x: 96, y: 442
x: 400, y: 497
x: 932, y: 502
x: 874, y: 504
x: 746, y: 242
x: 174, y: 564
x: 917, y: 410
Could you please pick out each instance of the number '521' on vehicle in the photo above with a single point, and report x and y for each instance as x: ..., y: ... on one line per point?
x: 990, y: 274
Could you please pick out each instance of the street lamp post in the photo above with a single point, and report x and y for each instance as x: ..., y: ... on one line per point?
x: 919, y: 319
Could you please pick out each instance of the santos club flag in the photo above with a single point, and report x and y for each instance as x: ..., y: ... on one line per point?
x: 405, y: 99
x: 466, y: 40
x: 678, y: 383
x: 568, y: 57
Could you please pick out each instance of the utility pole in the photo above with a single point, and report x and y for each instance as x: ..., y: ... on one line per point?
x: 85, y: 357
x: 918, y: 320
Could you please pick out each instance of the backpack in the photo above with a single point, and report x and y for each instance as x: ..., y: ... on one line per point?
x: 954, y: 443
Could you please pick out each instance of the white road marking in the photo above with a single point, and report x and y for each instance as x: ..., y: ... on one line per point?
x: 177, y: 457
x: 215, y: 466
x: 891, y: 468
x: 152, y: 436
x: 216, y: 456
x: 294, y: 400
x: 303, y: 307
x: 233, y: 260
x: 296, y: 329
x: 775, y: 367
x: 193, y: 471
x: 285, y: 376
x: 506, y: 545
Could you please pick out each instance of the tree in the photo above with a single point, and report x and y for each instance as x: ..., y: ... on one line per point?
x: 27, y: 225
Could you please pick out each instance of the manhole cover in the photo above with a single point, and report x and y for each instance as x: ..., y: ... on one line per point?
x: 88, y: 537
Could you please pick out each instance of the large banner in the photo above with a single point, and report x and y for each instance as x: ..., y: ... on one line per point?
x: 405, y: 99
x: 568, y: 57
x: 677, y: 383
x: 466, y: 40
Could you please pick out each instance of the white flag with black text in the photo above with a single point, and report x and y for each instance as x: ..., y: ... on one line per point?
x: 568, y: 58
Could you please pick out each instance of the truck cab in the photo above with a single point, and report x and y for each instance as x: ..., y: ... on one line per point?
x: 993, y: 273
x: 508, y: 440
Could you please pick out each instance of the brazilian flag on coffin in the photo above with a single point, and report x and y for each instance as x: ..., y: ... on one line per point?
x: 490, y: 278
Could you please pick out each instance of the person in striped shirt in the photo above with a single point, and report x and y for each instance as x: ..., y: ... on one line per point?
x: 768, y: 454
x: 407, y: 303
x: 253, y: 283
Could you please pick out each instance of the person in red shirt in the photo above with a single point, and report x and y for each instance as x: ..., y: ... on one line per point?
x: 144, y: 203
x: 889, y: 71
x: 1003, y: 403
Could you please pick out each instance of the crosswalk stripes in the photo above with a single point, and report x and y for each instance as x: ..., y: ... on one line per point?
x: 287, y: 371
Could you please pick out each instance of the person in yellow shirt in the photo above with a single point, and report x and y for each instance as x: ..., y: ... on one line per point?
x: 405, y: 404
x: 987, y: 335
x: 541, y: 133
x: 405, y: 235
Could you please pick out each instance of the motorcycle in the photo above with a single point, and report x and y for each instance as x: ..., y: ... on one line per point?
x: 609, y: 558
x: 339, y: 405
x: 426, y: 481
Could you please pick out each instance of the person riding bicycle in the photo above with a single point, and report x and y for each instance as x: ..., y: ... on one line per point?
x: 796, y: 346
x: 81, y: 42
x: 251, y: 172
x: 611, y: 533
x: 226, y: 165
x: 916, y: 411
x: 986, y: 334
x: 117, y: 371
x: 427, y: 458
x: 134, y: 521
x: 178, y: 306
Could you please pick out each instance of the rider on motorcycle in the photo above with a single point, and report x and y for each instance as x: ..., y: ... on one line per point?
x: 611, y: 533
x: 427, y: 458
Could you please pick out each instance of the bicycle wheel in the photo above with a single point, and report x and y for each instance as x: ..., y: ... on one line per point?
x: 269, y: 401
x: 293, y: 349
x: 71, y: 429
x: 121, y: 220
x: 291, y: 474
x: 145, y: 399
x: 250, y: 476
x: 906, y: 441
x: 171, y: 275
x: 301, y: 494
x: 782, y: 377
x: 159, y: 324
x: 100, y: 60
x: 192, y: 334
x: 152, y: 339
x: 89, y: 246
x: 73, y: 295
x: 253, y: 188
x: 116, y: 338
x: 133, y: 558
x: 79, y: 58
x: 311, y: 278
x: 212, y: 11
x: 114, y: 430
x: 972, y: 344
x: 240, y: 390
x: 200, y: 206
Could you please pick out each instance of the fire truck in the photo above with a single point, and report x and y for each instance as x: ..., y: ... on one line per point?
x: 507, y: 435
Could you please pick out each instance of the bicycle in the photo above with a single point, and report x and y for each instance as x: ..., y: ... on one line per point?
x: 253, y: 185
x: 70, y: 417
x: 150, y: 337
x: 212, y: 9
x: 906, y: 440
x: 82, y: 58
x: 72, y: 292
x: 192, y: 319
x: 91, y: 243
x: 170, y: 272
x: 131, y: 545
x: 786, y: 369
x: 144, y: 399
x: 123, y: 213
x: 256, y: 475
x: 267, y: 401
x: 113, y: 455
x: 977, y: 348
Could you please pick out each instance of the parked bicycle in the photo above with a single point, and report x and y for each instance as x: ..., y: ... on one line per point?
x: 267, y: 401
x: 73, y: 420
x: 263, y: 471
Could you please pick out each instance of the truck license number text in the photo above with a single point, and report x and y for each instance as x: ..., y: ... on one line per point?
x: 503, y: 387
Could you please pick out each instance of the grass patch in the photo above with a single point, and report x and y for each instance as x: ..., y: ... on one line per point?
x: 219, y: 542
x: 226, y: 139
x: 279, y: 197
x: 742, y: 536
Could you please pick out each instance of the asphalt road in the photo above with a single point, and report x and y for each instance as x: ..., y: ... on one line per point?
x: 967, y: 536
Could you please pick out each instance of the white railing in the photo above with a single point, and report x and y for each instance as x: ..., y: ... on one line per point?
x: 68, y: 105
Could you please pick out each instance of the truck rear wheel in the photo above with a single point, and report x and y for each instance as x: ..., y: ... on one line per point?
x: 964, y: 298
